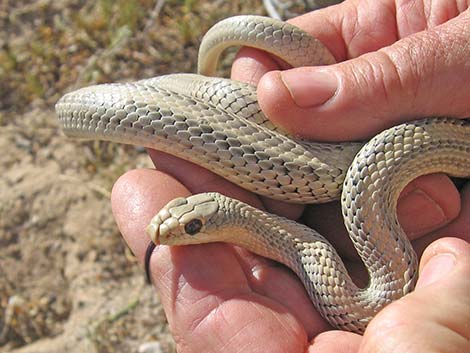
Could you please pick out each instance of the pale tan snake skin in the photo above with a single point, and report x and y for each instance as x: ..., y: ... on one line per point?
x: 218, y: 124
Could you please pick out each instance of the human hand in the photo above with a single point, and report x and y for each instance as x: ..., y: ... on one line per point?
x: 237, y: 298
x: 218, y: 298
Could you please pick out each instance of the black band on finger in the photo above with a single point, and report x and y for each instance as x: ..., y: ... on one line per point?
x: 148, y: 255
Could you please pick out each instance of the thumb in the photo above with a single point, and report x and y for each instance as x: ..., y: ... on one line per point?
x: 436, y: 316
x: 424, y: 74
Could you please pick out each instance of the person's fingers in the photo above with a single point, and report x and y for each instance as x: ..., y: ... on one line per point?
x: 335, y: 342
x: 333, y: 26
x: 353, y: 28
x: 439, y: 307
x: 425, y: 74
x: 251, y: 64
x: 459, y: 227
x: 428, y: 203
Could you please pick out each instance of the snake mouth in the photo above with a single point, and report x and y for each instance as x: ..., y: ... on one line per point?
x: 154, y: 232
x: 156, y: 238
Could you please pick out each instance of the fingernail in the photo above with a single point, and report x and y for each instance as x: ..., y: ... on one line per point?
x: 436, y: 268
x: 310, y: 89
x: 419, y: 214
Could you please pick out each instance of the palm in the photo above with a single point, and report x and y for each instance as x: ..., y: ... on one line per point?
x: 238, y: 292
x: 220, y: 296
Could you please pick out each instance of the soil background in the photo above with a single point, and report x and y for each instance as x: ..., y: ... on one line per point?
x: 68, y: 283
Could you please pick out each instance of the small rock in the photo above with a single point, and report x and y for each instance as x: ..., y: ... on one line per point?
x: 151, y: 347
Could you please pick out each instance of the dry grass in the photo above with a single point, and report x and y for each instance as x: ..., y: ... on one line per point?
x: 47, y: 254
x: 50, y: 46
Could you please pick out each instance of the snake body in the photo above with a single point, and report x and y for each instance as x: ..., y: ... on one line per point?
x: 218, y: 124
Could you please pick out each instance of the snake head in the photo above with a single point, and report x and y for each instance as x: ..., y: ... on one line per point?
x: 185, y: 221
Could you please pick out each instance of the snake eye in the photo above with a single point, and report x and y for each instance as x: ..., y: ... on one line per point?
x: 193, y: 226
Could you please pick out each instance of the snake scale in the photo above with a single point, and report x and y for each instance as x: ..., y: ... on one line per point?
x: 218, y: 124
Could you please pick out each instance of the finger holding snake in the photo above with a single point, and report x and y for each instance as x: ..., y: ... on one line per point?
x: 426, y: 45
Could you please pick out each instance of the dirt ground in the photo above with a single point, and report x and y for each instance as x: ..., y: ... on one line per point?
x: 67, y: 281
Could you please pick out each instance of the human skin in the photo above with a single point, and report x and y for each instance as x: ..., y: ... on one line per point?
x: 399, y: 60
